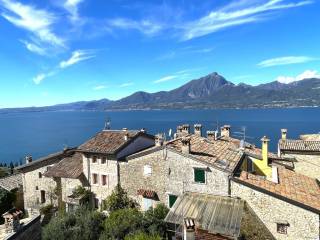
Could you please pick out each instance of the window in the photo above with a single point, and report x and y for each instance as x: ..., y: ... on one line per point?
x: 37, y: 188
x: 172, y: 200
x: 103, y: 160
x: 94, y: 159
x: 147, y: 204
x: 104, y: 180
x: 43, y: 196
x: 282, y: 228
x: 95, y: 178
x: 199, y: 175
x: 250, y: 165
x: 96, y: 203
x: 147, y: 170
x: 40, y: 175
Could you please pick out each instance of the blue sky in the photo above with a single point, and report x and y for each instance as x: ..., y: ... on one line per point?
x: 62, y: 51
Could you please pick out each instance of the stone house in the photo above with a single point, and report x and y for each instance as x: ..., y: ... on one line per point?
x: 13, y: 184
x: 287, y: 202
x: 93, y: 165
x: 305, y: 154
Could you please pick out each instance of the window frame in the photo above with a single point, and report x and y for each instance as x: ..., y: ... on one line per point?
x: 172, y: 195
x: 145, y: 168
x: 106, y: 180
x: 42, y: 196
x: 93, y: 178
x: 282, y: 228
x: 94, y: 160
x: 104, y: 160
x: 40, y: 174
x: 194, y: 175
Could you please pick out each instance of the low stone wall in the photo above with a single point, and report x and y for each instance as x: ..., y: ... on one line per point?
x: 30, y: 230
x: 302, y: 223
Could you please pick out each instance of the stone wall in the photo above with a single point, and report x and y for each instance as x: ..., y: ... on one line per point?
x: 30, y: 230
x: 172, y: 173
x: 303, y: 224
x: 32, y: 186
x: 306, y: 164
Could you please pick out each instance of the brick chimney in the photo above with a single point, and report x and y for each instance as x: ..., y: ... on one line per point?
x: 212, y: 135
x: 28, y: 159
x: 225, y: 131
x: 198, y: 130
x: 185, y: 145
x: 159, y: 140
x: 186, y: 128
x: 284, y: 134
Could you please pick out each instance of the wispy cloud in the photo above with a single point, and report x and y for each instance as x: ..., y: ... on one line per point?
x: 306, y: 74
x: 235, y: 14
x: 100, y: 87
x: 32, y: 47
x: 285, y: 61
x: 166, y: 79
x: 41, y: 76
x: 184, y: 51
x: 146, y: 27
x: 126, y: 84
x: 182, y: 74
x: 39, y: 22
x: 72, y: 7
x: 77, y: 56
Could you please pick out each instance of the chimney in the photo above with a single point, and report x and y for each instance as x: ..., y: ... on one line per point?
x: 189, y: 229
x: 158, y: 140
x: 198, y: 130
x: 179, y: 129
x: 185, y: 145
x: 28, y: 159
x: 126, y: 136
x: 143, y: 130
x: 186, y: 128
x: 212, y: 135
x: 225, y: 131
x: 265, y: 168
x: 284, y: 134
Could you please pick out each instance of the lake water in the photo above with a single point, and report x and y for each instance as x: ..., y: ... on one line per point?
x: 41, y: 133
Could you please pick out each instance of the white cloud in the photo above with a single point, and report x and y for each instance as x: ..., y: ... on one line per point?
x: 37, y: 21
x: 32, y: 47
x: 166, y: 78
x: 100, y: 87
x: 235, y: 14
x: 305, y: 75
x: 41, y: 76
x: 182, y: 74
x: 72, y: 7
x: 146, y: 27
x: 126, y: 84
x: 285, y: 61
x: 77, y: 56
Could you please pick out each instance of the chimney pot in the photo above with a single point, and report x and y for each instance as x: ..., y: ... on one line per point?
x: 212, y: 135
x: 126, y: 136
x: 28, y: 159
x: 159, y: 140
x: 186, y: 128
x: 225, y: 131
x: 186, y: 145
x: 198, y: 130
x: 284, y: 134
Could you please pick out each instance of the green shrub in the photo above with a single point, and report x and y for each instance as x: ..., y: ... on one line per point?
x: 153, y: 220
x: 6, y: 202
x: 46, y: 209
x: 142, y: 236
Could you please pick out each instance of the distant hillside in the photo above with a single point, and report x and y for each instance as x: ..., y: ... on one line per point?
x: 211, y: 91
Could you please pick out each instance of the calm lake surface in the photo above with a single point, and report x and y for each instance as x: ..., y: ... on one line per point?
x: 42, y: 133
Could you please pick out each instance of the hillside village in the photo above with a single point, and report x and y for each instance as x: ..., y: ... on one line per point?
x: 216, y: 186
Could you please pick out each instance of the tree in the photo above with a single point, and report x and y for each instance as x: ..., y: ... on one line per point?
x: 1, y: 165
x: 6, y: 201
x: 118, y: 200
x: 81, y: 224
x: 153, y: 220
x: 142, y: 236
x: 16, y: 164
x: 122, y: 222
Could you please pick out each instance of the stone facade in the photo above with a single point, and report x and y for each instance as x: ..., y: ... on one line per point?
x: 38, y: 190
x: 172, y: 173
x: 301, y: 223
x: 306, y: 164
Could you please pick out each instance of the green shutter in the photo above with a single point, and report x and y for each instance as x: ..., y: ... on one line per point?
x: 199, y: 175
x: 172, y: 200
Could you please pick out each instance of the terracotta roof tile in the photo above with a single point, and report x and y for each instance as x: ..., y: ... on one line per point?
x: 292, y: 185
x: 299, y: 145
x: 11, y: 182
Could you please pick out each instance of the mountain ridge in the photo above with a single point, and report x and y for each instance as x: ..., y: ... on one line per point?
x: 210, y: 91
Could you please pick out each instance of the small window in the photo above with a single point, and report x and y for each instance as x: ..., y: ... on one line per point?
x: 147, y: 170
x: 104, y: 180
x: 199, y: 175
x: 250, y: 166
x: 95, y: 178
x: 40, y: 175
x: 103, y: 160
x: 94, y: 159
x: 147, y: 204
x: 96, y: 203
x: 282, y: 228
x: 43, y: 196
x: 172, y: 200
x: 37, y: 188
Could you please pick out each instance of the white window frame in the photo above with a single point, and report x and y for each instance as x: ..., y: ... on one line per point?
x: 149, y: 201
x: 147, y: 170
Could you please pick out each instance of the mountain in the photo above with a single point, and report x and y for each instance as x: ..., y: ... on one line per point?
x: 211, y: 91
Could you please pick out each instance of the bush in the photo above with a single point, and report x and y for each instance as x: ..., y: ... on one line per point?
x: 46, y: 209
x: 6, y: 202
x: 142, y: 236
x: 81, y: 224
x: 122, y: 222
x: 118, y: 200
x: 153, y: 220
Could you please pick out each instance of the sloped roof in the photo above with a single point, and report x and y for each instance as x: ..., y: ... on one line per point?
x: 299, y: 145
x: 293, y: 186
x: 215, y: 214
x: 11, y: 182
x: 222, y: 153
x: 68, y: 167
x: 110, y: 141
